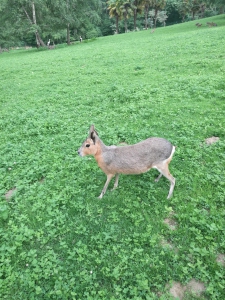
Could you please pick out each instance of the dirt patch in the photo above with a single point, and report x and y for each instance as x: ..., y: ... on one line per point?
x: 211, y: 140
x: 221, y: 259
x: 194, y: 287
x: 166, y: 244
x: 177, y: 290
x: 170, y: 223
x: 9, y: 194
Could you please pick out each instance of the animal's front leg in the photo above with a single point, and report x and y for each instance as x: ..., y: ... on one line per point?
x: 109, y: 177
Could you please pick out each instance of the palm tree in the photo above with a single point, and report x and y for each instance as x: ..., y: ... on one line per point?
x: 147, y: 4
x: 157, y: 5
x: 184, y: 8
x: 114, y: 8
x: 137, y: 9
x: 195, y: 7
x: 126, y: 9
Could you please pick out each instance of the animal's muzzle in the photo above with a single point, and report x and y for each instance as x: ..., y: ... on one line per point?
x: 79, y: 152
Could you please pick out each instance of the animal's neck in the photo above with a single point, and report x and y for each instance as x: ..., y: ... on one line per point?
x: 100, y: 148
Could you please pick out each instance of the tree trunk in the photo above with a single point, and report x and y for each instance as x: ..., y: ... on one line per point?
x: 125, y: 21
x: 156, y: 13
x: 221, y: 10
x: 135, y: 18
x: 39, y: 41
x: 146, y: 16
x: 202, y: 7
x: 117, y: 24
x: 38, y: 38
x: 34, y: 14
x: 68, y: 34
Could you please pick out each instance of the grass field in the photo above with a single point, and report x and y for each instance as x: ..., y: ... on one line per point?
x: 57, y: 239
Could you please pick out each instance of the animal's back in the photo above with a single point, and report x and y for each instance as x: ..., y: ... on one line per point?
x: 137, y: 158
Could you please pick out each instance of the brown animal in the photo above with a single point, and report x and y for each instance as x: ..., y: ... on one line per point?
x: 210, y: 24
x: 4, y: 50
x: 50, y: 47
x: 134, y: 159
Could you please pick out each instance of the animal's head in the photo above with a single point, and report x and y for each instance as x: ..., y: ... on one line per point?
x: 89, y: 145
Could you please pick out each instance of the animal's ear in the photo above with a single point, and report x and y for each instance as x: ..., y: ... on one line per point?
x: 93, y: 133
x: 92, y: 129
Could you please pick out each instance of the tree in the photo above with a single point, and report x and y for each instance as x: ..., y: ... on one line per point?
x: 126, y: 9
x: 33, y: 23
x: 147, y: 4
x: 24, y: 17
x: 184, y: 8
x: 162, y: 17
x: 5, y: 26
x: 47, y: 19
x: 138, y: 6
x: 194, y: 7
x: 173, y: 12
x: 106, y: 23
x: 157, y: 5
x: 221, y: 6
x: 114, y: 7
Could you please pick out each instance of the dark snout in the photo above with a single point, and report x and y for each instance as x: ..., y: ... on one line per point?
x: 79, y: 152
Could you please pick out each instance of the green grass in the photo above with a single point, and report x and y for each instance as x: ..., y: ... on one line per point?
x: 57, y: 240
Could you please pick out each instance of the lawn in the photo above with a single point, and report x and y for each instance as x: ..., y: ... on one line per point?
x: 57, y: 239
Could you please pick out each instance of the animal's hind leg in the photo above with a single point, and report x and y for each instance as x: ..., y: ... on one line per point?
x: 116, y: 182
x: 164, y: 170
x: 157, y: 179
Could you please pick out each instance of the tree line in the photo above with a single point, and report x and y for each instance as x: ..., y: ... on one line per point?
x: 26, y: 22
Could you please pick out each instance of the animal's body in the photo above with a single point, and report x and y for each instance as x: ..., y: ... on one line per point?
x: 153, y: 152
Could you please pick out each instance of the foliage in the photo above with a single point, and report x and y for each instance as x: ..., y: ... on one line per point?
x: 159, y: 16
x: 33, y: 23
x: 57, y: 240
x: 52, y: 19
x: 162, y: 17
x: 114, y: 8
x: 172, y: 9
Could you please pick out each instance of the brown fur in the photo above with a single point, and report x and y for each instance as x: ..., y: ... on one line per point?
x: 134, y: 159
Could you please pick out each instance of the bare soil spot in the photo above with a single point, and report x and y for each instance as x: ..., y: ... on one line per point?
x: 221, y: 259
x: 170, y: 223
x: 177, y: 290
x: 166, y: 244
x: 9, y: 194
x: 211, y: 140
x: 194, y: 287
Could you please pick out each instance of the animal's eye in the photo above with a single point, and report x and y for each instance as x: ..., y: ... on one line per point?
x: 87, y: 145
